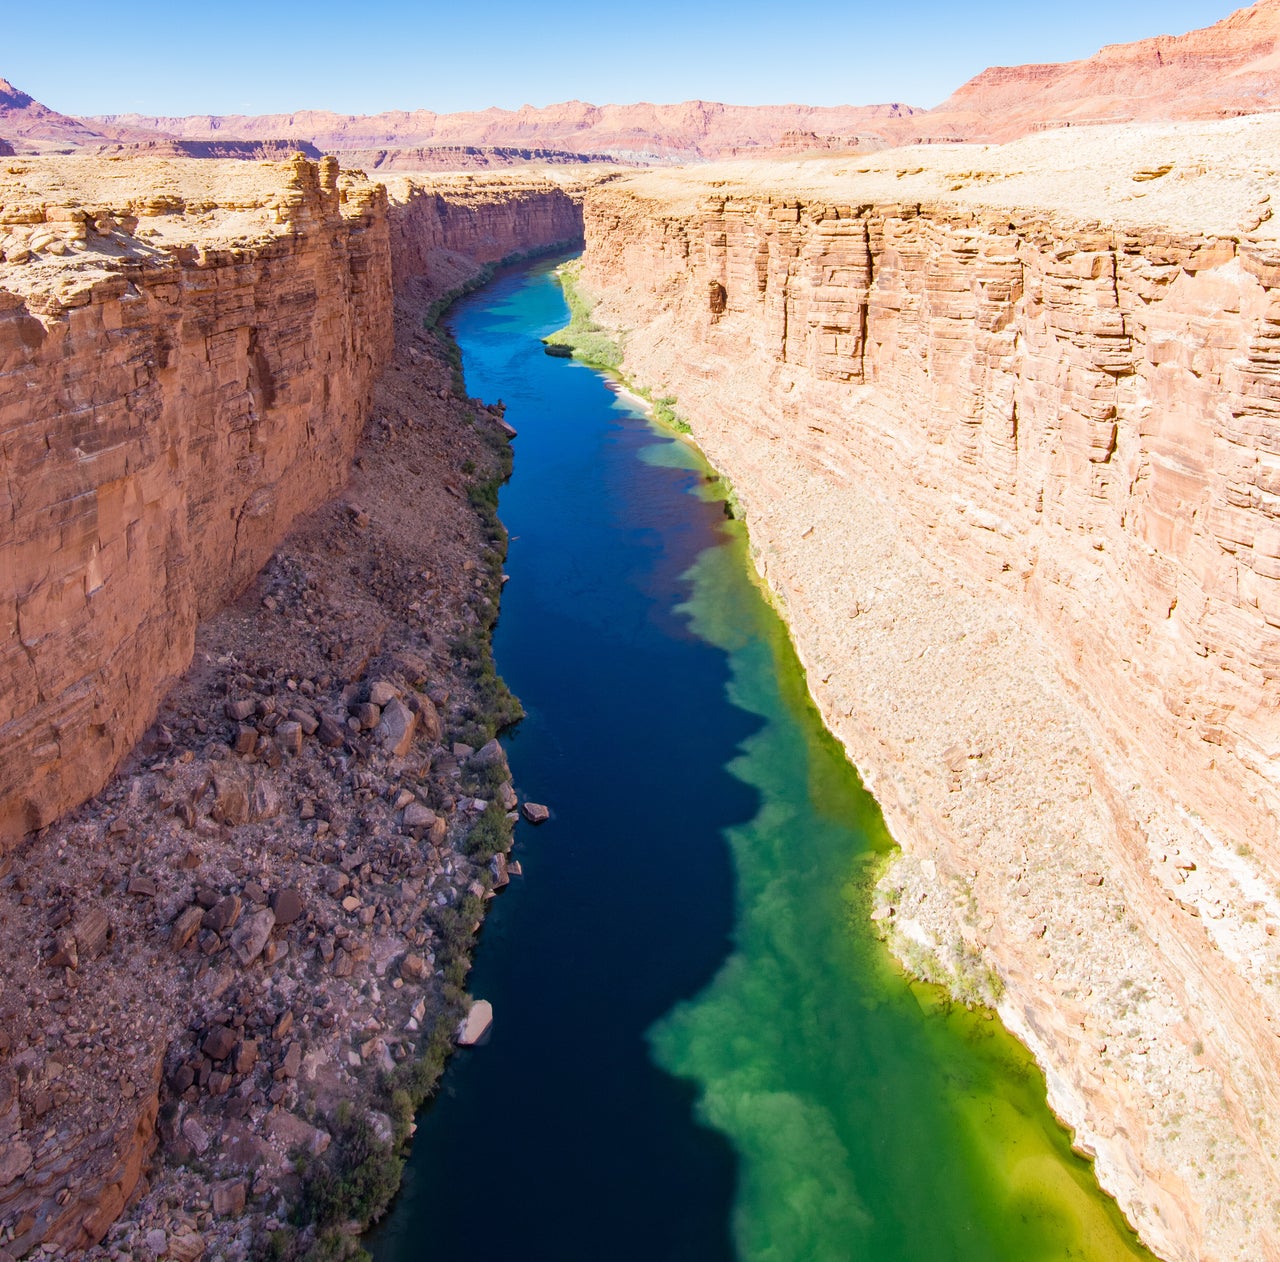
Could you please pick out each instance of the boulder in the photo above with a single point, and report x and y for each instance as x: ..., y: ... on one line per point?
x: 287, y: 905
x: 331, y: 733
x: 92, y: 931
x: 490, y: 754
x: 231, y: 788
x: 396, y: 727
x: 265, y: 801
x: 184, y: 927
x: 289, y: 736
x: 219, y: 1042
x: 498, y: 866
x: 414, y: 968
x: 249, y: 939
x: 223, y: 914
x: 381, y: 691
x: 536, y: 813
x: 229, y: 1198
x: 418, y: 816
x: 475, y: 1025
x: 429, y: 722
x: 186, y: 1247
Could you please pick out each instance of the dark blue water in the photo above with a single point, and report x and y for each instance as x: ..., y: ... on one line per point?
x: 559, y: 1138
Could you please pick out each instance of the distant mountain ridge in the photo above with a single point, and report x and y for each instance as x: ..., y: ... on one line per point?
x: 26, y: 124
x: 1229, y: 68
x: 688, y: 131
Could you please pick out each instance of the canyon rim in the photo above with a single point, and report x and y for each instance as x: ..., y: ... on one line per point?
x: 995, y: 386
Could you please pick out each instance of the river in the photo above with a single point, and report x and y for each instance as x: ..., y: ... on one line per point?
x: 700, y: 1050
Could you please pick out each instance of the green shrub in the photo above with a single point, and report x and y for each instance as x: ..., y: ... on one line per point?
x: 588, y: 341
x: 490, y: 834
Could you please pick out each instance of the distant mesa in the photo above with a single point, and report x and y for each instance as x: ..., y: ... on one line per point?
x: 1230, y: 68
x: 249, y: 150
x: 691, y: 131
x: 462, y: 158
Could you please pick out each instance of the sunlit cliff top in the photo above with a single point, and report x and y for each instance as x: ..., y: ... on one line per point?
x: 1215, y: 178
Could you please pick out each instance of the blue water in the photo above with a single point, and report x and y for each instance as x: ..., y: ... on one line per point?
x: 699, y: 1049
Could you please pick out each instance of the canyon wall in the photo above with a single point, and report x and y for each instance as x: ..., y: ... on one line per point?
x: 160, y: 427
x: 1013, y: 475
x: 182, y: 372
x: 442, y: 228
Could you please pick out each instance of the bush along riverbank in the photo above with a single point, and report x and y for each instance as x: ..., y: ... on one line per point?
x: 328, y: 811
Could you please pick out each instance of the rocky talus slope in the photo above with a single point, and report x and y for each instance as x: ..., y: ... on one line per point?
x: 269, y: 909
x: 1003, y: 423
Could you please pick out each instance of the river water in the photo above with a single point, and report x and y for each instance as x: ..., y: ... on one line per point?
x: 700, y: 1050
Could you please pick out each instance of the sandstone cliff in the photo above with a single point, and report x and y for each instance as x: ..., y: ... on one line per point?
x: 183, y: 371
x: 176, y: 388
x: 1003, y: 425
x: 188, y: 352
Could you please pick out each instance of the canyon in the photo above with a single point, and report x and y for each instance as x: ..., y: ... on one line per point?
x: 206, y: 352
x: 1000, y: 418
x: 1005, y: 467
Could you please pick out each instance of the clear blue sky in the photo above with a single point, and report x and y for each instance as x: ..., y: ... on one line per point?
x: 363, y: 56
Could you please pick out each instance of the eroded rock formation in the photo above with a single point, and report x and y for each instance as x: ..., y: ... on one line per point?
x: 184, y: 371
x: 1010, y: 471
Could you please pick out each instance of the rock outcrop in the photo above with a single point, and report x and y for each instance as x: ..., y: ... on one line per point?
x: 1003, y: 427
x: 184, y: 370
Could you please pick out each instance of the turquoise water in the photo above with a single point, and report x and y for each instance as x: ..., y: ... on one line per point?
x: 700, y: 1050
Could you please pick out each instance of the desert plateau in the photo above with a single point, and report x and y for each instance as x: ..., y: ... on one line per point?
x: 652, y: 680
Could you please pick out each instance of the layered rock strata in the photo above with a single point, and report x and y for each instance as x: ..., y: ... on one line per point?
x: 241, y: 930
x: 167, y: 407
x: 1009, y: 468
x: 182, y: 371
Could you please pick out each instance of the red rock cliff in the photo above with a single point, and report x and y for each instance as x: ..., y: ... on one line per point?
x: 1012, y: 474
x: 182, y: 372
